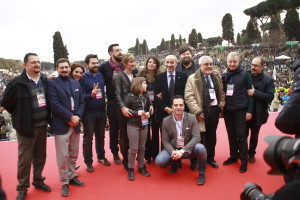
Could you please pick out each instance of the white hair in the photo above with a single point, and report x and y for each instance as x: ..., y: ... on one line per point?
x: 204, y: 58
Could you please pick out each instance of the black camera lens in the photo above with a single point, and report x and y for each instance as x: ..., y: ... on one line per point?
x: 252, y: 192
x: 282, y: 155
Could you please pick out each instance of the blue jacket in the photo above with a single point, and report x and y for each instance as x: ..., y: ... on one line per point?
x: 92, y: 104
x: 60, y: 101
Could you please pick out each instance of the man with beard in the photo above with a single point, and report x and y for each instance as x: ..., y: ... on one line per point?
x: 94, y: 118
x: 25, y: 98
x: 263, y: 94
x: 186, y: 64
x: 238, y: 109
x: 67, y: 105
x: 109, y: 69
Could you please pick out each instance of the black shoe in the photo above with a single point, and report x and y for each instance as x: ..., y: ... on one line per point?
x: 131, y: 176
x: 251, y: 159
x: 201, y: 179
x: 179, y: 164
x: 89, y: 168
x: 193, y: 165
x: 74, y: 181
x: 117, y: 159
x: 21, y: 195
x: 65, y: 190
x: 243, y: 167
x: 125, y: 164
x: 104, y: 161
x: 42, y: 187
x: 143, y: 171
x: 229, y: 161
x: 174, y: 166
x: 148, y: 160
x: 213, y: 163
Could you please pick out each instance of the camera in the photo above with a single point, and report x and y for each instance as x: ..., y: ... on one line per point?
x: 283, y: 156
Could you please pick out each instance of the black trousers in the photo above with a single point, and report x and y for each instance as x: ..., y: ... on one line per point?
x: 124, y: 143
x: 210, y: 136
x: 152, y: 143
x: 252, y: 129
x: 114, y: 127
x: 235, y: 122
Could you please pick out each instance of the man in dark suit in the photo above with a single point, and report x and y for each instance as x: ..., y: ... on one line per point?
x: 263, y: 93
x: 67, y: 104
x: 166, y: 88
x: 181, y: 139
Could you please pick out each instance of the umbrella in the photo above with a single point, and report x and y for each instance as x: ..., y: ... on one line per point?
x: 282, y: 57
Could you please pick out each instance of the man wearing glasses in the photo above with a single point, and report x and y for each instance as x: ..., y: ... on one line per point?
x: 204, y: 83
x: 263, y: 94
x: 25, y: 99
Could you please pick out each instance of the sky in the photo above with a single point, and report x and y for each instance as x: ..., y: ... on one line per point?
x: 90, y: 26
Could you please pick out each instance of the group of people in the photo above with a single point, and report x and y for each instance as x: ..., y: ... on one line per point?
x: 183, y: 104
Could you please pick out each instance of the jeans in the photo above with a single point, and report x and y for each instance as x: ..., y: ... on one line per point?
x: 164, y: 158
x: 93, y: 122
x: 137, y: 138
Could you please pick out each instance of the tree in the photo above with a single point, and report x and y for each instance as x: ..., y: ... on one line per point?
x: 180, y: 40
x: 291, y: 24
x: 213, y: 41
x: 193, y: 38
x: 172, y: 42
x: 145, y: 47
x: 137, y: 47
x: 227, y: 25
x: 238, y: 39
x: 253, y: 32
x: 200, y: 38
x: 59, y: 49
x: 162, y: 45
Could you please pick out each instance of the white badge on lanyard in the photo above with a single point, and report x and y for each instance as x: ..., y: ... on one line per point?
x: 180, y: 142
x: 72, y: 103
x: 145, y: 120
x: 212, y: 93
x: 229, y: 91
x: 151, y: 95
x: 41, y: 99
x: 99, y: 94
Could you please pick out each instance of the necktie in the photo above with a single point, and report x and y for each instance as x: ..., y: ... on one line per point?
x: 208, y: 82
x: 171, y: 86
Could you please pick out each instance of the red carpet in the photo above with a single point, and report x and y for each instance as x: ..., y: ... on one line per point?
x: 225, y: 183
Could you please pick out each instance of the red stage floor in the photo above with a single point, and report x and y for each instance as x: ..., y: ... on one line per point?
x: 225, y: 183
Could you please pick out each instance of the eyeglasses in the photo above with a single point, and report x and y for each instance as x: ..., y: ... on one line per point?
x: 207, y: 64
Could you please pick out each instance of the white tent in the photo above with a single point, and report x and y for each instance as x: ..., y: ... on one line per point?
x: 282, y: 57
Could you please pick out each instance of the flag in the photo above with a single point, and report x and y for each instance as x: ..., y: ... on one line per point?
x: 274, y: 73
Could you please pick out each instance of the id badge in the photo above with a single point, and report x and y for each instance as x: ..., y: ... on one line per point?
x: 41, y: 99
x: 145, y: 121
x: 99, y: 94
x: 180, y: 142
x: 229, y: 91
x: 212, y: 94
x: 72, y: 103
x: 151, y: 95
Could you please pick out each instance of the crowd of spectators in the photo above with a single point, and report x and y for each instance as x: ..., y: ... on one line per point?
x: 284, y: 73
